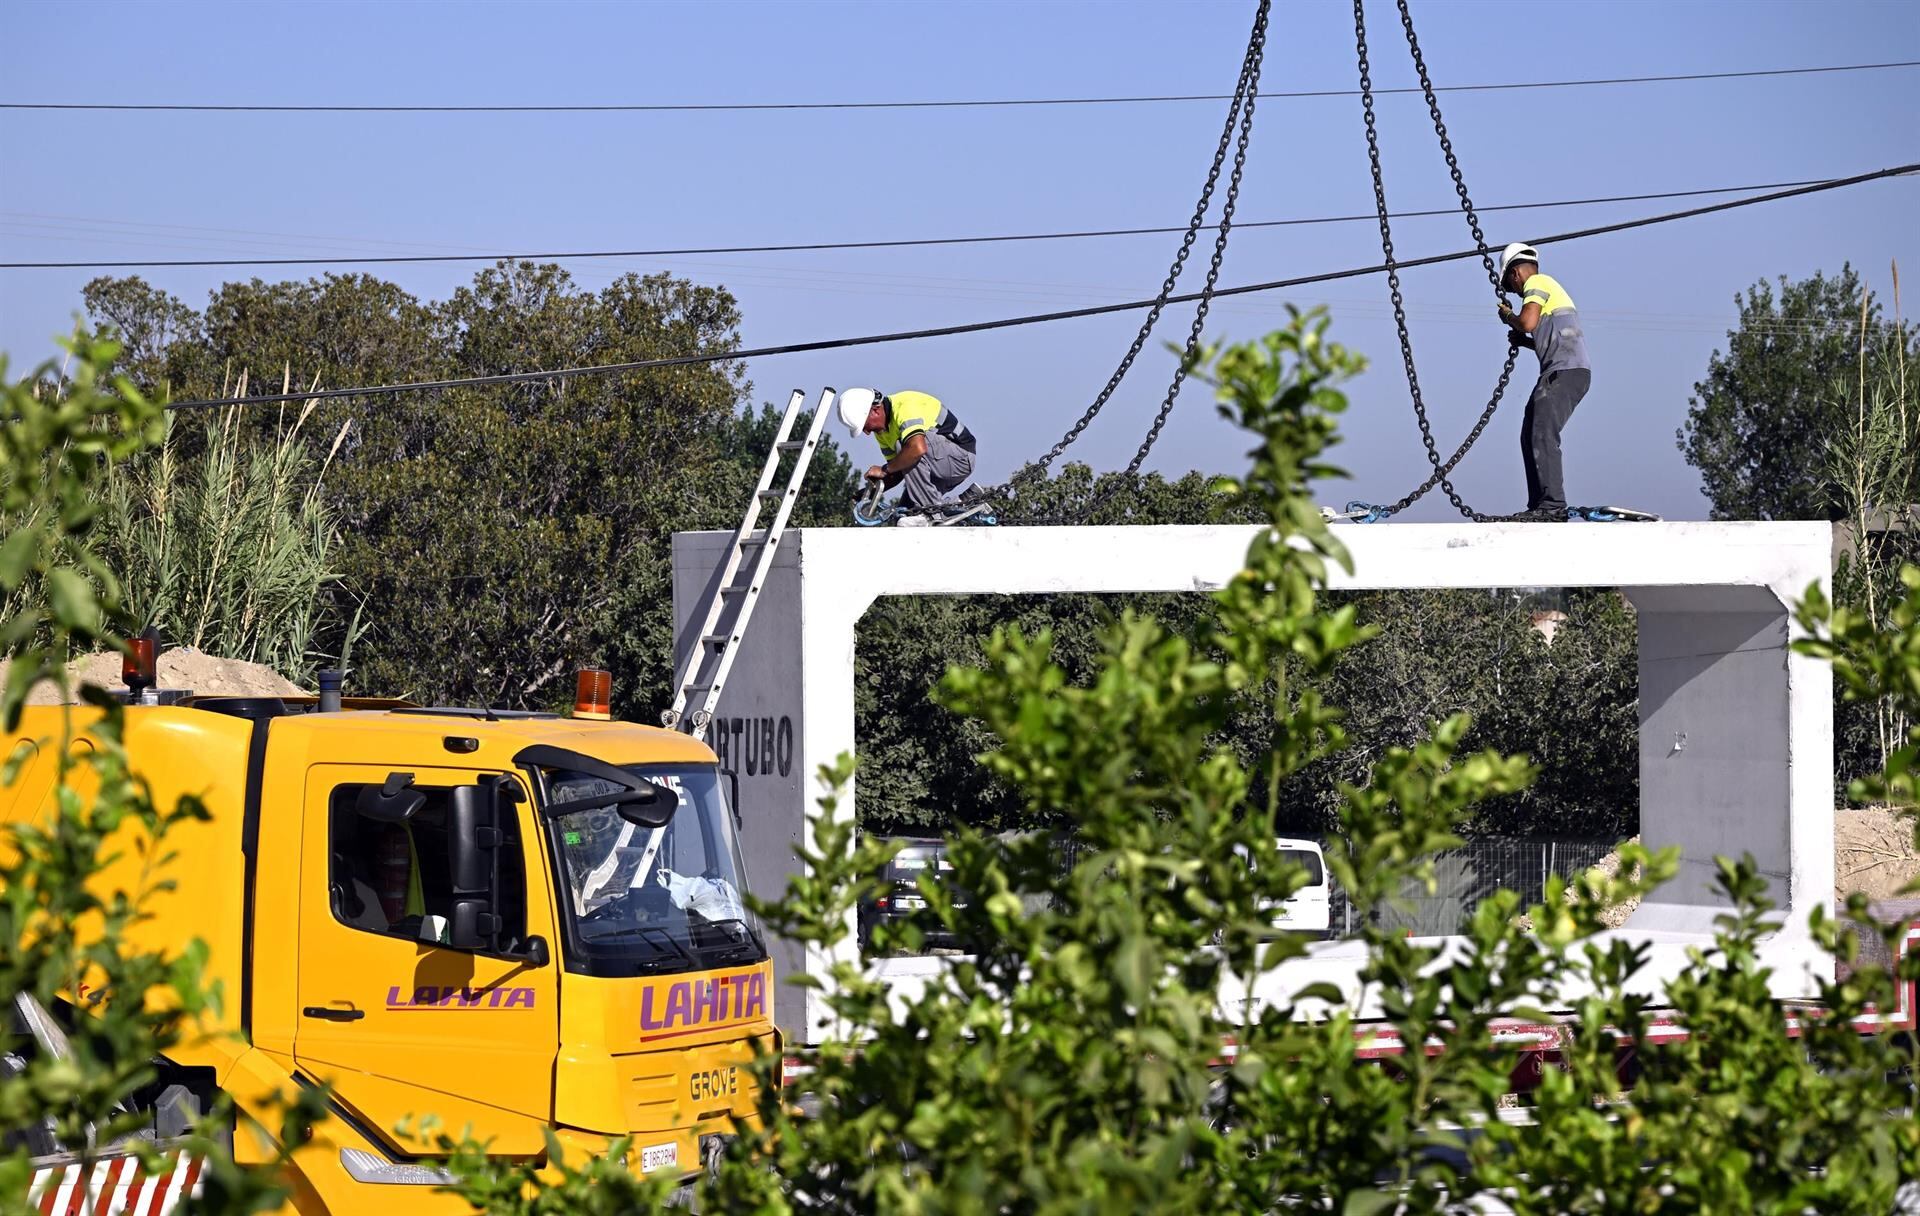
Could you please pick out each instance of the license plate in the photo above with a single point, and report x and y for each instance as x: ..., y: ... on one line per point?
x: 659, y: 1156
x: 911, y: 901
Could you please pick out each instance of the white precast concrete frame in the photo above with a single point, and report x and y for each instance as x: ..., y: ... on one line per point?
x: 1736, y: 732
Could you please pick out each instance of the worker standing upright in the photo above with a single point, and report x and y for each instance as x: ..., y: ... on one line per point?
x: 1549, y: 324
x: 929, y: 451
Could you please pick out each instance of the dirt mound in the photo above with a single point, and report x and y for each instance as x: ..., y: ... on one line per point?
x: 1873, y: 853
x: 203, y: 673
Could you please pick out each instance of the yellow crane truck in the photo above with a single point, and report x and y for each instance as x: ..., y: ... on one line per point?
x: 512, y: 922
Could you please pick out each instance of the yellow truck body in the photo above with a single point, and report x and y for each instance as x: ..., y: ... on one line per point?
x: 599, y: 978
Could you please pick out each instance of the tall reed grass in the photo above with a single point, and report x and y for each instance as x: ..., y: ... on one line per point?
x: 224, y: 542
x: 1872, y: 469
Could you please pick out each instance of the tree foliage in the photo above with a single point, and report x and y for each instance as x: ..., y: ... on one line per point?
x: 1569, y: 702
x: 497, y: 537
x: 917, y: 766
x: 1760, y: 424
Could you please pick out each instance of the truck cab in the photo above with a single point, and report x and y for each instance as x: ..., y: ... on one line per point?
x: 506, y: 923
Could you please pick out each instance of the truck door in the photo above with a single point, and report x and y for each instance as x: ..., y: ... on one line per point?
x: 399, y: 1022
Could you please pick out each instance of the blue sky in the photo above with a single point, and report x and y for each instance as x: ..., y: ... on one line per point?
x: 1657, y: 302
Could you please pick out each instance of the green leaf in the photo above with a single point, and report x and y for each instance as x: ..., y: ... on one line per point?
x: 1133, y: 966
x: 1322, y: 991
x: 70, y: 598
x: 18, y: 554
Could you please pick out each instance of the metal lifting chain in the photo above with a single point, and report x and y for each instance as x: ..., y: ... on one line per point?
x: 1441, y: 469
x: 1251, y: 76
x: 1240, y: 120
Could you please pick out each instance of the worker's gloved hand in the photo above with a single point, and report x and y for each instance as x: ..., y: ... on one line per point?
x: 1506, y: 313
x: 1516, y: 338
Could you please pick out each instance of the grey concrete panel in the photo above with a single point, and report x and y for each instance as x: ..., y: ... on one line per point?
x: 1714, y: 754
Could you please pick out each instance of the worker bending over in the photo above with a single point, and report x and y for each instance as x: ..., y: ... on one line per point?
x: 929, y: 452
x: 1549, y: 324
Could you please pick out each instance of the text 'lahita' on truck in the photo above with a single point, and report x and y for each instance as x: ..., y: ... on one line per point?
x: 512, y: 922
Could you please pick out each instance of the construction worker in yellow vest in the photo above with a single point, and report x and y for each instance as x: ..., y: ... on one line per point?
x: 1547, y: 324
x: 928, y: 451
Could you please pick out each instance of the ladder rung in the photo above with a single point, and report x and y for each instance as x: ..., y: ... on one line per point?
x: 727, y: 614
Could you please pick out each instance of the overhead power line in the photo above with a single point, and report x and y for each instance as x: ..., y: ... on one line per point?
x: 954, y: 104
x: 971, y: 327
x: 828, y: 246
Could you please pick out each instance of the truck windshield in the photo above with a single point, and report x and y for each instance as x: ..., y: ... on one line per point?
x: 649, y: 901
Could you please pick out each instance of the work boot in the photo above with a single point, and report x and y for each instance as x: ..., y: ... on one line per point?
x: 1542, y: 515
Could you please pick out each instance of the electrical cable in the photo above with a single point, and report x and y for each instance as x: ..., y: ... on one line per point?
x: 830, y: 246
x: 962, y: 103
x: 1095, y: 310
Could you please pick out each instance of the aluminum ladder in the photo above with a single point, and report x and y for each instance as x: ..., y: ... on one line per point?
x: 731, y: 608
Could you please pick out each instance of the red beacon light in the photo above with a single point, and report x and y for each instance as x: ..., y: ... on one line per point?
x: 593, y: 694
x: 140, y: 666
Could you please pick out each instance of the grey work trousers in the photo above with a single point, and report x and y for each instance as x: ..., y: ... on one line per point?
x: 1548, y: 410
x: 937, y: 474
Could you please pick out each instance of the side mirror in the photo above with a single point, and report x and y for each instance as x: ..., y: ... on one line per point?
x: 648, y: 805
x: 473, y: 862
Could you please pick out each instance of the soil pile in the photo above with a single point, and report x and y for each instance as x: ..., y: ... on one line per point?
x: 203, y: 673
x: 1873, y: 853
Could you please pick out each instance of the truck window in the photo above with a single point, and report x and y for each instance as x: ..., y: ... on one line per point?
x: 393, y: 879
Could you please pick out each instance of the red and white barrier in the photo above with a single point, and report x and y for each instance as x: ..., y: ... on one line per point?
x: 114, y: 1186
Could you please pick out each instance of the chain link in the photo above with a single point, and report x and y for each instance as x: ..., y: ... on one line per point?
x: 1251, y: 75
x: 1240, y: 120
x: 1441, y: 469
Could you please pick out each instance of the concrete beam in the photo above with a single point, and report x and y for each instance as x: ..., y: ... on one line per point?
x: 1736, y: 737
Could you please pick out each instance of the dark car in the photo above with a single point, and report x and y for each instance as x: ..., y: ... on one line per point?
x: 901, y: 897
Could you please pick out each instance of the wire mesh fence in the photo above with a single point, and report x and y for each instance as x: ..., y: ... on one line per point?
x: 1465, y: 876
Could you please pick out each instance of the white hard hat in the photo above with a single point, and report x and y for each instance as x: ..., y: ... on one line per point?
x: 1517, y: 252
x: 854, y: 406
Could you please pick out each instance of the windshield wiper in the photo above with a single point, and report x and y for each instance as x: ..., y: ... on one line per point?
x: 729, y: 950
x: 646, y: 934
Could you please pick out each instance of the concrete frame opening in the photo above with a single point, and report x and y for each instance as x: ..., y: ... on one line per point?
x: 1736, y: 732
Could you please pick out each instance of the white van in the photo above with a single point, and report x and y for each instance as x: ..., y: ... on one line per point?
x: 1309, y: 909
